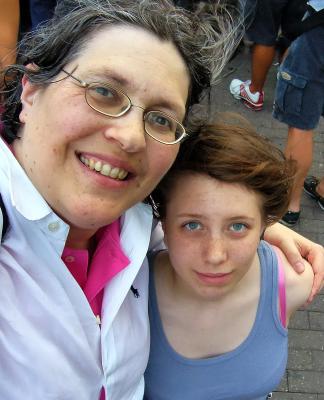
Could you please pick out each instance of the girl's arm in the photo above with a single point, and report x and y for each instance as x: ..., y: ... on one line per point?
x: 298, y: 286
x: 297, y: 249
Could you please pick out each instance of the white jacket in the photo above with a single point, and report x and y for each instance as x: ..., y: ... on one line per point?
x: 51, y: 347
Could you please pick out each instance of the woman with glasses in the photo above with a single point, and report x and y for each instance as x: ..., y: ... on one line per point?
x: 93, y: 120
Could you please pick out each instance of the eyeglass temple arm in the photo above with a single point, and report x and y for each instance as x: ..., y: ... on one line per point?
x: 82, y: 83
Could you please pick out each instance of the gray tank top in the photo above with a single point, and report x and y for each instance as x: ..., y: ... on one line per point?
x: 249, y: 372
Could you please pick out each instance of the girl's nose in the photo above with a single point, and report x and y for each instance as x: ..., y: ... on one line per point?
x: 216, y: 251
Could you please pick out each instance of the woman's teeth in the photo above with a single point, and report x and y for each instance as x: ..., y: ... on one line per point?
x: 104, y: 169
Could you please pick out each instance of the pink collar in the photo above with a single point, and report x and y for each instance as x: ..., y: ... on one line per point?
x: 107, y: 261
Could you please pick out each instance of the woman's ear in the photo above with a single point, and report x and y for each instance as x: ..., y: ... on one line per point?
x: 28, y: 95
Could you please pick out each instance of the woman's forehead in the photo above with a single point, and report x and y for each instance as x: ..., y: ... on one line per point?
x: 137, y: 60
x: 133, y: 41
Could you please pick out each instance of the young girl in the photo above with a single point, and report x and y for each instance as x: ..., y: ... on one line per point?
x: 220, y: 299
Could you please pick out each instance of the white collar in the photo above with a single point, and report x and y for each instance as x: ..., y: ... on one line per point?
x: 28, y: 202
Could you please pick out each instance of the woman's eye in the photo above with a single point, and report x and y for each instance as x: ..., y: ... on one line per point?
x: 160, y: 120
x: 104, y: 91
x: 193, y: 226
x: 106, y: 99
x: 238, y: 227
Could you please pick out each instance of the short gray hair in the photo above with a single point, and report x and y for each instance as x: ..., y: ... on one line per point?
x: 204, y: 43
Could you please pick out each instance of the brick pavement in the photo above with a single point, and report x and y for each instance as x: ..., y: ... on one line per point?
x: 304, y: 378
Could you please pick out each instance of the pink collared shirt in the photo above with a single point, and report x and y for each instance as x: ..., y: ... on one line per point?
x: 107, y: 260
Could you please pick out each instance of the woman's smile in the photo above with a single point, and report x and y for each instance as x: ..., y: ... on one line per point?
x: 104, y: 168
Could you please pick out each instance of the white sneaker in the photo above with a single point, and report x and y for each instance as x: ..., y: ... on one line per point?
x: 241, y: 91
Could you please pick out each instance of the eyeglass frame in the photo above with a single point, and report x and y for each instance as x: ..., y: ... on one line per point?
x: 86, y: 85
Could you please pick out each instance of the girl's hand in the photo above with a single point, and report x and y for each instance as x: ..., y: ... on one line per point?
x: 296, y: 248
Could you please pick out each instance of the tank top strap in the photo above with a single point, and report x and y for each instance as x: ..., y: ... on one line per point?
x: 282, y: 289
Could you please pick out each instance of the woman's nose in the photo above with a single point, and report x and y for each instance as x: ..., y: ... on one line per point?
x: 128, y: 130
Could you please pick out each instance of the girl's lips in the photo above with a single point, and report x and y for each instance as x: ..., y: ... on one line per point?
x: 216, y: 279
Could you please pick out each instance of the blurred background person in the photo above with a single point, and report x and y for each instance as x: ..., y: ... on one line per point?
x: 269, y: 18
x: 299, y: 102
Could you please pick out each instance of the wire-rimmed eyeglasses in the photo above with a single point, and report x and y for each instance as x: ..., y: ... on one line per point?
x: 113, y: 102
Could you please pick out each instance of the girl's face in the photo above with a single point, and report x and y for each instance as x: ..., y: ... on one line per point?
x: 212, y: 231
x: 63, y: 138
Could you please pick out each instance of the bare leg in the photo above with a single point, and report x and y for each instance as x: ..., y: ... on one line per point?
x: 299, y: 147
x: 262, y: 58
x: 9, y: 22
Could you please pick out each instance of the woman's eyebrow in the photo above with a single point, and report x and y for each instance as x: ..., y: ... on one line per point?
x: 110, y: 75
x: 169, y: 105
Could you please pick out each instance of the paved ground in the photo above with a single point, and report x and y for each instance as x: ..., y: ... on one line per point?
x: 304, y: 378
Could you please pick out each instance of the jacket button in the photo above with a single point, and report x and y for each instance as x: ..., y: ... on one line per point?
x: 285, y: 76
x: 54, y: 226
x: 69, y: 259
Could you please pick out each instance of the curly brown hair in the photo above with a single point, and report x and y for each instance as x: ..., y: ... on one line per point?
x: 230, y: 150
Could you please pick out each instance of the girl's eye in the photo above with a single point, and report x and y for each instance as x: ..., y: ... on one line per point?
x: 193, y: 226
x: 238, y: 227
